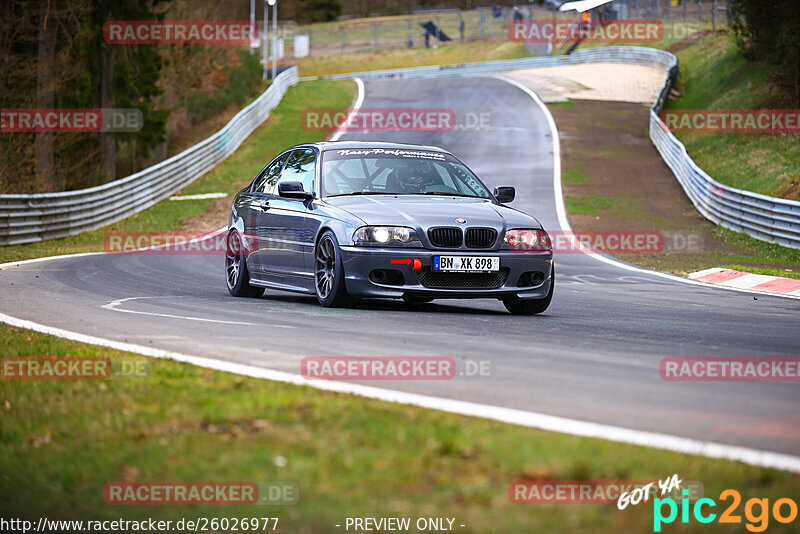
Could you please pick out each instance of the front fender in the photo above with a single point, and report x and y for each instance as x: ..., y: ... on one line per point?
x: 250, y: 241
x: 342, y: 230
x: 237, y: 224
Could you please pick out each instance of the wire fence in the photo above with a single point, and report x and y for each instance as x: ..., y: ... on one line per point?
x: 455, y: 26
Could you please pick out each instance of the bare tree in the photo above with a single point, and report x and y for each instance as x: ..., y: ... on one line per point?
x: 46, y: 175
x: 108, y: 152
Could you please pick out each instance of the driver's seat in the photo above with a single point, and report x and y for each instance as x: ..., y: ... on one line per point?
x: 393, y: 182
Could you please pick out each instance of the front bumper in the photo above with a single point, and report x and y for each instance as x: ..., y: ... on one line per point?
x: 516, y: 278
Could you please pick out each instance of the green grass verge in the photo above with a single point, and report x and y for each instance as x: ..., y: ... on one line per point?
x: 62, y: 441
x: 741, y: 252
x: 733, y: 251
x: 573, y: 176
x: 451, y: 54
x: 674, y: 32
x: 713, y: 75
x: 283, y: 129
x: 590, y: 204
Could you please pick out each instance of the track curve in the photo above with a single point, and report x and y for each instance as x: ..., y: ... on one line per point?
x: 594, y: 356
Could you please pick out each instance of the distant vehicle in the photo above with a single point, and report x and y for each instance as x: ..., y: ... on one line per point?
x: 347, y: 220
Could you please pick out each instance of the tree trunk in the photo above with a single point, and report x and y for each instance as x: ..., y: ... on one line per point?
x: 44, y: 142
x: 108, y: 153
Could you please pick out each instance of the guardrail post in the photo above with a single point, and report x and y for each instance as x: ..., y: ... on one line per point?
x: 685, y: 3
x: 714, y: 16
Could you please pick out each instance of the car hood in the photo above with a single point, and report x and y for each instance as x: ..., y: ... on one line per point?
x: 423, y: 212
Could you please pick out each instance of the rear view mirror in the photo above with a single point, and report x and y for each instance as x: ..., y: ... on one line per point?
x: 292, y: 189
x: 505, y: 194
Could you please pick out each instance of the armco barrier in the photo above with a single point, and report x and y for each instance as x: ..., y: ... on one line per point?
x: 30, y: 218
x: 27, y: 218
x: 766, y: 218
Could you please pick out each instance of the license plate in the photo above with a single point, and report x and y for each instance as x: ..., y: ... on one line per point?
x: 466, y: 264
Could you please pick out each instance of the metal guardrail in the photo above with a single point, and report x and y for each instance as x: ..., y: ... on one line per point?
x: 611, y: 54
x: 28, y: 218
x: 770, y: 219
x: 31, y: 218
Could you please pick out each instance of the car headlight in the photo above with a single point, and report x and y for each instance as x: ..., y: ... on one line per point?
x: 384, y: 235
x: 523, y: 240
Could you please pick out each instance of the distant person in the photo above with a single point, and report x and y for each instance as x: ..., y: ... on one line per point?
x: 497, y: 13
x: 517, y: 15
x: 427, y: 39
x: 461, y: 29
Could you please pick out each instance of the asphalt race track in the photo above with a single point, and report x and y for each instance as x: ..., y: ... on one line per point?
x: 594, y: 356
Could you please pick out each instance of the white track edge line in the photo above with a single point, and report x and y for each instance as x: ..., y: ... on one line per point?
x: 561, y: 210
x: 356, y: 106
x: 197, y: 239
x: 523, y: 418
x: 506, y: 415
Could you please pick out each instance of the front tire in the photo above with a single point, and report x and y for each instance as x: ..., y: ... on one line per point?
x: 517, y: 306
x: 329, y: 272
x: 236, y: 276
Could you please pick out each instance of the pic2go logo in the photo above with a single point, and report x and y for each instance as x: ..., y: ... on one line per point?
x: 757, y: 521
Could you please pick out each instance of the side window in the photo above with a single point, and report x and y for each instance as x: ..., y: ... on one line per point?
x: 269, y: 176
x: 300, y: 168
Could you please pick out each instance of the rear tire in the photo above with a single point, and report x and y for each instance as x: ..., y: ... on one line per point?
x: 329, y: 273
x: 517, y: 306
x: 236, y: 276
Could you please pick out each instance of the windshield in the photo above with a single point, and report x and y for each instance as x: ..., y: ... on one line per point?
x: 397, y: 172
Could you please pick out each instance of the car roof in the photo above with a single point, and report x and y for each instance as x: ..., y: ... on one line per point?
x: 355, y: 145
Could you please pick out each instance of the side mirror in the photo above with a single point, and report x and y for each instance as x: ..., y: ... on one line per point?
x: 292, y: 189
x: 505, y: 194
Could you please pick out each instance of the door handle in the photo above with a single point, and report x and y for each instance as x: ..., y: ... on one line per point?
x: 263, y: 205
